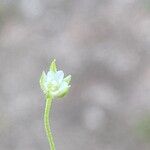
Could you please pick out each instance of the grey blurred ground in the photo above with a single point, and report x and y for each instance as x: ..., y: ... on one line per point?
x: 105, y: 45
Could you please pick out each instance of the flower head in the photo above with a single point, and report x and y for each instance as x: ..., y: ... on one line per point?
x: 53, y: 83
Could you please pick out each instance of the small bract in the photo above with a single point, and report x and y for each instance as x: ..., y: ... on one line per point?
x: 54, y: 84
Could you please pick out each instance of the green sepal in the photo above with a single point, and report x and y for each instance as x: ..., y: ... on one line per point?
x: 42, y: 82
x: 53, y: 67
x: 64, y: 92
x: 67, y: 79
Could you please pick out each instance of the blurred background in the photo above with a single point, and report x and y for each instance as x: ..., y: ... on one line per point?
x: 105, y: 45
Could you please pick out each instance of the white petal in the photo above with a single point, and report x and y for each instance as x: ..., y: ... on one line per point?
x: 59, y: 76
x: 50, y: 76
x: 63, y: 85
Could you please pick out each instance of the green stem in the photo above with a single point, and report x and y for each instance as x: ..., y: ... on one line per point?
x: 47, y: 123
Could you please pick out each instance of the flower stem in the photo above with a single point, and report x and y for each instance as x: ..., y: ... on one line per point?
x: 47, y: 123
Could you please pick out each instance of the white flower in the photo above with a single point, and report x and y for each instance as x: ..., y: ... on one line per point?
x: 54, y: 84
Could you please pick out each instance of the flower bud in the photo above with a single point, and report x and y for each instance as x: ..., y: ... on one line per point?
x: 53, y: 83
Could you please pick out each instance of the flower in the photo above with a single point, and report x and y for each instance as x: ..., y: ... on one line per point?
x: 54, y: 84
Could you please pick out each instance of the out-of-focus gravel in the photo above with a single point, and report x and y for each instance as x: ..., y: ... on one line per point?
x: 104, y: 44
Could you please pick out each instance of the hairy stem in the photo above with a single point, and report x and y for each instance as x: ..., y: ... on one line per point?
x: 47, y: 123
